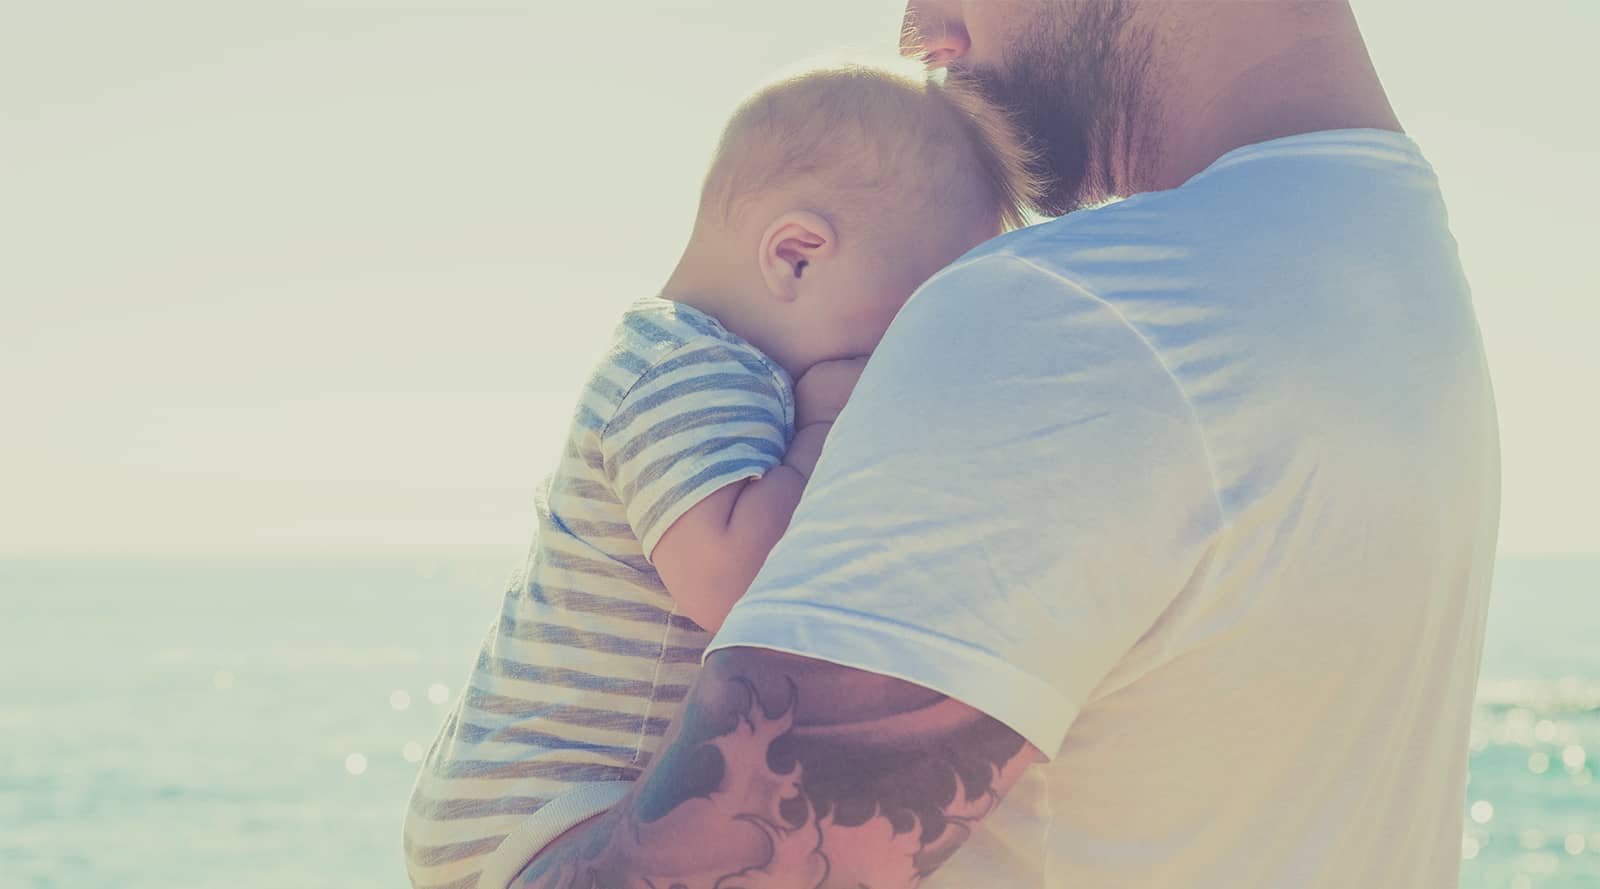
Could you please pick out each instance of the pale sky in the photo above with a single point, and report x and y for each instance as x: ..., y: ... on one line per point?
x: 286, y: 279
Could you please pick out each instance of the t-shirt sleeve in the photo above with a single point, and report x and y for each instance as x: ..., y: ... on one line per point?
x: 704, y: 416
x: 1016, y: 492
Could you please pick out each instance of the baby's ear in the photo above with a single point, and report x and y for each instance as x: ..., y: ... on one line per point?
x: 790, y: 247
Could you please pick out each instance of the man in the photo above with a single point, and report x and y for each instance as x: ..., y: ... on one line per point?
x: 1170, y: 523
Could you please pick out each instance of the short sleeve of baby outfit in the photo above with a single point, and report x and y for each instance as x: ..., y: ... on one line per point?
x: 1015, y: 493
x: 705, y: 415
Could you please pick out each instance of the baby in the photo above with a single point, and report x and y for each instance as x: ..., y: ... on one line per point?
x: 832, y: 196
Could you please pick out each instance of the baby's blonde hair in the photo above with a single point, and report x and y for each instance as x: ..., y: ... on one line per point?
x: 879, y: 138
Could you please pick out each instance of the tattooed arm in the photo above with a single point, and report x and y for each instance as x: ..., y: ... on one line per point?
x: 790, y: 773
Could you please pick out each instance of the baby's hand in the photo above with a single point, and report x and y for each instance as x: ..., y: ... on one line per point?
x: 821, y: 392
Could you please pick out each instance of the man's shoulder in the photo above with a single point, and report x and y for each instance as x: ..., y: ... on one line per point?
x: 1112, y: 267
x: 997, y: 258
x: 1095, y: 235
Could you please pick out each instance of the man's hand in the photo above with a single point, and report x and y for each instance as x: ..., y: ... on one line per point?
x: 821, y: 392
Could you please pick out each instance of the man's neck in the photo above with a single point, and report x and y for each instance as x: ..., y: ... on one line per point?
x: 1316, y: 79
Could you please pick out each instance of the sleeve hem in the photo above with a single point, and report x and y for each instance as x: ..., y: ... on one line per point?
x: 563, y: 813
x: 1028, y: 705
x: 689, y: 501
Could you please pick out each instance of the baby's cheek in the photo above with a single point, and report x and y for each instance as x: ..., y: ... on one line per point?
x: 872, y: 320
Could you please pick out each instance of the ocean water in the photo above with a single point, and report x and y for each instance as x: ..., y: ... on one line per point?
x: 250, y: 723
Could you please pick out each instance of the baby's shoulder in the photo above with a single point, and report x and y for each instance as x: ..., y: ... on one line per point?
x: 659, y: 343
x: 657, y: 327
x: 655, y: 330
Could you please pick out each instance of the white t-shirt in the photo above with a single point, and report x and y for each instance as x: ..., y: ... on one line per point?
x: 1198, y: 492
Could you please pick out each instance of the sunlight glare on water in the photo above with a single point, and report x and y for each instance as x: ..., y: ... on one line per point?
x: 210, y: 747
x: 1573, y: 756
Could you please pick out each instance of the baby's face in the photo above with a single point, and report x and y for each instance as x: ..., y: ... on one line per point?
x: 871, y: 281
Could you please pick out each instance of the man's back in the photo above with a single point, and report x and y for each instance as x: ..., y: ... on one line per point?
x: 1220, y: 513
x: 1298, y: 715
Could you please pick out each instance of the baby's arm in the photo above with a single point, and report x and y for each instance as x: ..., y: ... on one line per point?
x: 709, y: 556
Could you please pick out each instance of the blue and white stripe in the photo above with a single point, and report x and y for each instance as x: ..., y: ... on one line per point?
x: 589, y: 661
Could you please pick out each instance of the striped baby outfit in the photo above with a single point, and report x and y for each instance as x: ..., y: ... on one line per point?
x: 588, y: 660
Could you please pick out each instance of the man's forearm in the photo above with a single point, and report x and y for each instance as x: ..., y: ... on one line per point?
x: 789, y: 773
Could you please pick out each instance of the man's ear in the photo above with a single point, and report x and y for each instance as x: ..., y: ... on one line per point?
x: 790, y: 246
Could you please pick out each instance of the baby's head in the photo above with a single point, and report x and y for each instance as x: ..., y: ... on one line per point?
x: 834, y: 194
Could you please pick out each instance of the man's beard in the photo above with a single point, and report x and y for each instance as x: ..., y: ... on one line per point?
x: 1072, y: 81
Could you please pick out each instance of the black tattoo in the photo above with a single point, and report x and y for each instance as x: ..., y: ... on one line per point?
x: 787, y: 773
